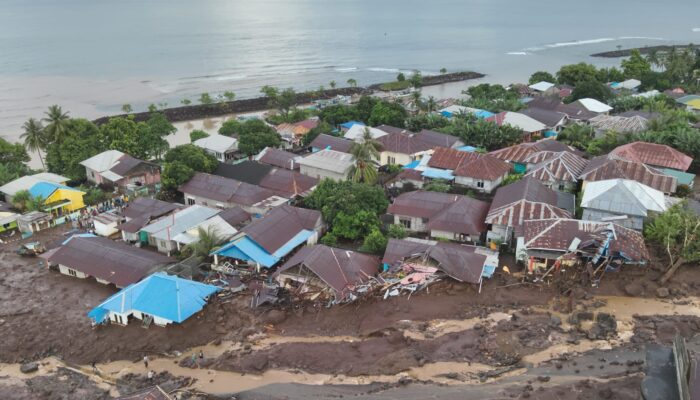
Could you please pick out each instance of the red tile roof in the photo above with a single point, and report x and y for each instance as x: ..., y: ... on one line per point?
x: 606, y: 167
x: 653, y: 154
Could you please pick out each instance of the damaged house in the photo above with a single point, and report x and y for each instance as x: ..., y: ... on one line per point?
x: 83, y: 256
x: 326, y: 272
x: 441, y: 215
x: 569, y: 240
x: 423, y: 258
x: 266, y: 241
x: 141, y: 212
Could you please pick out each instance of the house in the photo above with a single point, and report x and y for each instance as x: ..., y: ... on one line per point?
x: 248, y: 171
x: 655, y: 155
x: 551, y: 119
x: 625, y: 202
x: 160, y: 298
x: 106, y: 224
x: 223, y: 148
x: 556, y: 170
x: 474, y: 170
x: 58, y: 199
x: 161, y: 232
x: 288, y: 184
x: 530, y: 127
x: 267, y: 240
x: 217, y: 191
x: 356, y: 132
x: 329, y: 142
x: 320, y: 268
x: 215, y: 225
x: 403, y: 147
x: 606, y: 167
x: 629, y: 84
x: 441, y: 215
x: 604, y: 123
x: 566, y: 240
x: 141, y: 212
x: 347, y: 125
x: 8, y: 221
x: 329, y: 164
x: 26, y: 182
x: 407, y: 176
x: 525, y: 199
x: 575, y: 112
x: 293, y: 132
x: 543, y: 88
x: 83, y: 256
x: 120, y: 170
x: 34, y: 221
x: 593, y: 106
x: 278, y: 158
x: 518, y: 154
x: 460, y: 262
x: 236, y: 217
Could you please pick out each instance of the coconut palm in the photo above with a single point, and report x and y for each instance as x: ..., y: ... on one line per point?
x: 332, y: 84
x: 34, y: 137
x: 365, y: 153
x: 56, y: 123
x: 209, y: 239
x: 21, y: 199
x: 352, y: 82
x: 431, y: 104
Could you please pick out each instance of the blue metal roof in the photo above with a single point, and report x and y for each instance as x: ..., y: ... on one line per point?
x: 160, y: 295
x: 77, y: 235
x: 298, y: 239
x: 412, y: 164
x: 245, y: 249
x: 683, y: 178
x: 550, y: 133
x: 467, y: 148
x: 435, y: 173
x: 350, y: 124
x: 46, y: 189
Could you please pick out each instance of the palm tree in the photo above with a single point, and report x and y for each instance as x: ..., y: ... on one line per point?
x: 332, y: 84
x: 653, y: 58
x: 352, y: 82
x: 431, y: 104
x: 21, y: 200
x: 56, y: 123
x: 34, y: 137
x: 366, y: 153
x: 209, y: 239
x: 416, y: 96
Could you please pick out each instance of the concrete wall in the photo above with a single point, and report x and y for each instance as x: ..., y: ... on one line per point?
x: 453, y: 236
x: 499, y: 232
x: 65, y: 270
x: 322, y: 173
x: 203, y: 201
x: 399, y: 158
x: 489, y: 186
x: 417, y: 224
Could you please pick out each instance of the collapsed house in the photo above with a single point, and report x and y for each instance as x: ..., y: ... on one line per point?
x: 418, y: 261
x: 86, y: 255
x: 160, y: 298
x: 327, y: 272
x: 547, y: 241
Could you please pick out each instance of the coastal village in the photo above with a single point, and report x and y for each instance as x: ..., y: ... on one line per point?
x: 367, y: 236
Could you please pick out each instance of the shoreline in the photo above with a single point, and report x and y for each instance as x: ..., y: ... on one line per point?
x: 643, y: 50
x: 202, y: 111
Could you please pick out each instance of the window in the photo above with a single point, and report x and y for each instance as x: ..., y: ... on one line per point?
x: 562, y: 186
x: 480, y: 184
x: 190, y: 201
x: 405, y: 222
x: 424, y: 220
x: 391, y: 160
x: 163, y: 244
x: 72, y: 272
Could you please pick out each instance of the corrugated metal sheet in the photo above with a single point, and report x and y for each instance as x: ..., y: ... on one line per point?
x: 604, y: 168
x: 324, y: 141
x: 279, y: 158
x: 621, y: 196
x: 485, y: 168
x: 653, y: 154
x: 444, y: 158
x: 224, y: 190
x: 286, y: 183
x: 559, y: 167
x: 523, y: 200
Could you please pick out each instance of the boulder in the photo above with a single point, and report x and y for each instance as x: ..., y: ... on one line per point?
x: 662, y: 292
x: 28, y: 368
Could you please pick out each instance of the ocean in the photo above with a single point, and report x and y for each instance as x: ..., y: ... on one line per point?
x: 92, y: 56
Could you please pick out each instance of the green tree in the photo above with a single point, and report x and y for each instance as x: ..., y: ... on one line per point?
x: 123, y: 134
x: 229, y: 95
x: 329, y: 239
x: 431, y: 104
x: 331, y: 198
x: 443, y: 70
x: 337, y: 114
x: 21, y: 200
x: 375, y: 242
x: 416, y: 79
x: 82, y: 140
x: 185, y: 102
x: 400, y: 77
x: 34, y: 138
x: 354, y: 226
x: 56, y: 123
x: 197, y: 134
x: 483, y: 134
x: 352, y: 82
x: 94, y: 195
x: 419, y: 122
x: 437, y: 185
x: 126, y: 108
x: 573, y: 74
x: 635, y: 66
x: 283, y: 100
x: 332, y: 84
x: 152, y: 108
x: 592, y: 90
x: 677, y: 231
x: 230, y: 127
x: 159, y: 124
x: 322, y: 127
x: 253, y: 142
x: 205, y: 99
x: 181, y: 163
x: 385, y: 113
x: 577, y: 135
x: 365, y: 155
x: 397, y: 231
x: 541, y: 76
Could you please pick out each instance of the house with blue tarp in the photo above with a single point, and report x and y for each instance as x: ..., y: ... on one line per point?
x: 160, y: 298
x: 347, y: 125
x: 269, y: 239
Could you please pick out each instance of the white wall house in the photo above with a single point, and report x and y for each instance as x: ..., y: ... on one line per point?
x: 327, y: 164
x: 220, y: 146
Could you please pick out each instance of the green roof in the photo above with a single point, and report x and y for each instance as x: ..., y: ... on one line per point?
x: 683, y: 178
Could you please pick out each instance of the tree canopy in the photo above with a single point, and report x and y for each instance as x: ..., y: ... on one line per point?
x: 677, y: 231
x: 385, y: 113
x: 541, y: 76
x: 180, y: 164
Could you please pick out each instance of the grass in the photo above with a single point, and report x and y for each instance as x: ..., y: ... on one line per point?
x: 396, y: 85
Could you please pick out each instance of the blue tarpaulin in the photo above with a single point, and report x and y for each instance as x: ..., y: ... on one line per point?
x: 350, y: 124
x: 483, y: 114
x: 488, y: 271
x: 160, y: 295
x: 549, y: 134
x: 412, y: 165
x: 434, y: 173
x: 467, y: 148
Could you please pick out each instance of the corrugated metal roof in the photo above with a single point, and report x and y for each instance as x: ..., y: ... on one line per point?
x: 329, y: 160
x: 623, y: 196
x: 103, y: 161
x: 114, y: 262
x: 519, y: 153
x: 152, y: 208
x: 286, y: 183
x: 279, y: 158
x: 161, y: 295
x: 559, y: 167
x: 340, y: 269
x: 445, y: 158
x: 654, y: 154
x: 619, y: 124
x: 218, y: 188
x: 594, y: 105
x: 517, y: 120
x: 604, y: 168
x: 46, y: 189
x: 247, y: 171
x: 168, y: 227
x: 486, y: 167
x: 216, y: 224
x: 280, y: 225
x: 217, y: 143
x: 324, y: 141
x: 558, y: 234
x: 26, y: 182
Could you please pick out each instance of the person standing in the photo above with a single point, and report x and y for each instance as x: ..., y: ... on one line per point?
x: 145, y: 361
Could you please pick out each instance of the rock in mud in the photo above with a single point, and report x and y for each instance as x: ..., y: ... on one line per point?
x: 275, y: 317
x: 662, y: 292
x: 634, y: 289
x: 605, y: 326
x: 28, y: 368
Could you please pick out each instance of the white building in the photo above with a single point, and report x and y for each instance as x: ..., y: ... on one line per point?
x: 327, y: 164
x: 220, y: 146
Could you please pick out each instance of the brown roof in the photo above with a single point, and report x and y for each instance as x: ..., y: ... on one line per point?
x: 152, y: 393
x: 279, y: 158
x: 551, y: 118
x: 558, y: 235
x: 523, y: 200
x: 461, y: 262
x: 339, y: 269
x: 406, y: 142
x: 222, y: 189
x: 280, y: 225
x: 486, y: 167
x: 558, y: 167
x: 519, y: 153
x: 658, y: 155
x: 437, y: 139
x: 605, y: 167
x: 323, y: 141
x: 235, y: 216
x: 114, y: 262
x: 127, y: 163
x: 150, y: 207
x: 286, y: 183
x: 444, y: 158
x: 445, y: 212
x: 573, y: 111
